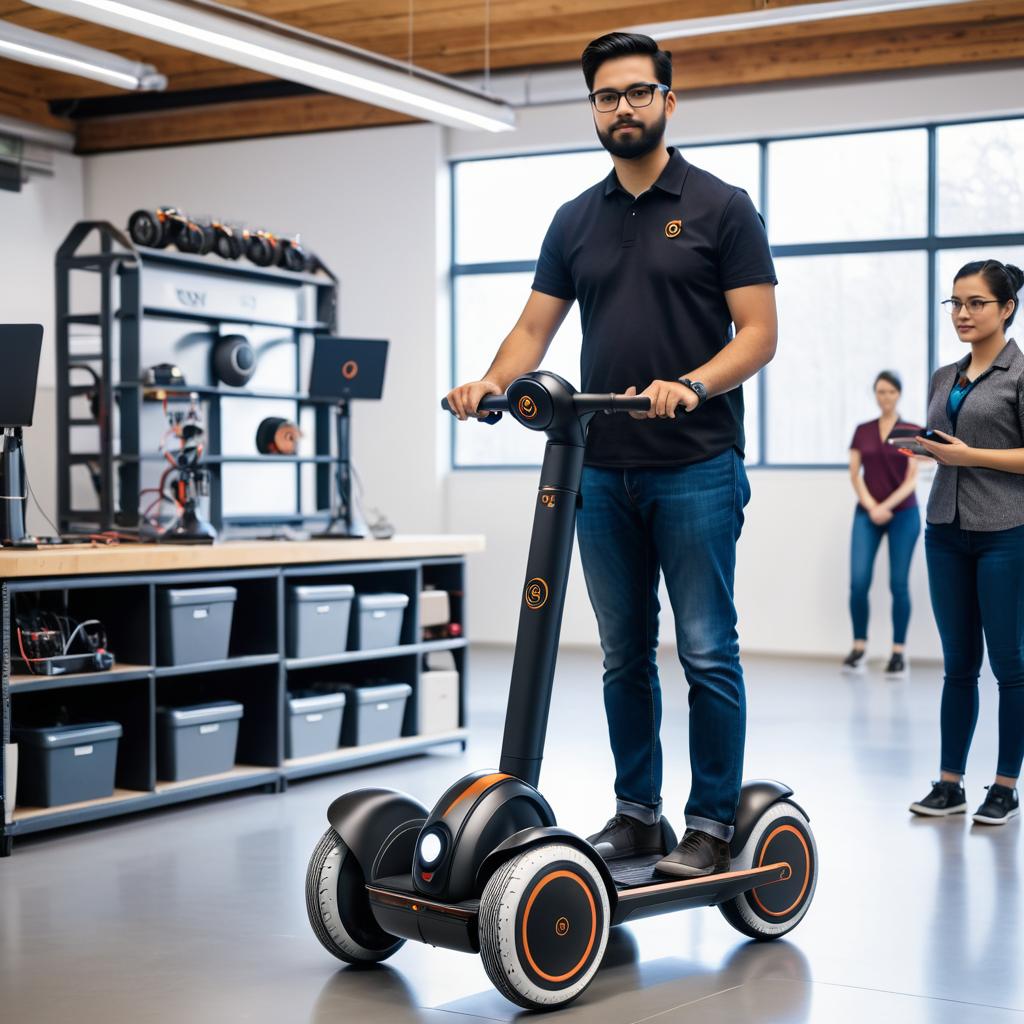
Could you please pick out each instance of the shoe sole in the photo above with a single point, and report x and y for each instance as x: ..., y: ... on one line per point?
x: 931, y: 812
x: 848, y: 670
x: 623, y: 855
x: 674, y: 870
x: 896, y: 675
x: 982, y: 820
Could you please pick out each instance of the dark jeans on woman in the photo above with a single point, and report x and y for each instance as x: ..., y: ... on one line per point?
x: 685, y: 520
x: 902, y: 530
x: 976, y: 581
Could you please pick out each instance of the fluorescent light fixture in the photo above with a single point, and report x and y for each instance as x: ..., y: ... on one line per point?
x: 44, y: 51
x: 260, y: 44
x: 771, y: 16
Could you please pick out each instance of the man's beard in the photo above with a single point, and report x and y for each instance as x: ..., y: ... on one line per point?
x: 640, y: 143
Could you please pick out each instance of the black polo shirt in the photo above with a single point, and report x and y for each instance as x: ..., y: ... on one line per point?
x: 650, y: 275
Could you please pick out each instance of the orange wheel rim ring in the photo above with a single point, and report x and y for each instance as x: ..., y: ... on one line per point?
x: 593, y: 926
x: 807, y: 873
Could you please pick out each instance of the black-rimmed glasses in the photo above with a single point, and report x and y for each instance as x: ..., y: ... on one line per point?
x: 640, y: 94
x: 973, y: 305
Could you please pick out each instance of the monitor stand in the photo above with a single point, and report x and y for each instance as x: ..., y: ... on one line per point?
x: 346, y: 522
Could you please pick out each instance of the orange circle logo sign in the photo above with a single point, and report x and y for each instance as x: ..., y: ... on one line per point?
x: 349, y: 369
x: 673, y: 228
x: 536, y: 593
x: 527, y: 407
x: 562, y: 926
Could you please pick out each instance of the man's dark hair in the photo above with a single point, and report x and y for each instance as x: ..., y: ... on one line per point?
x: 890, y: 377
x: 1004, y: 279
x: 625, y: 44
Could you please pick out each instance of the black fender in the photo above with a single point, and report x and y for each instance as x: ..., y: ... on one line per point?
x: 756, y: 797
x: 380, y: 827
x: 473, y: 817
x: 535, y: 836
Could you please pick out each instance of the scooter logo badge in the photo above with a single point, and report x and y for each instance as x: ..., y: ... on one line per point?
x: 527, y: 407
x: 547, y: 500
x: 349, y: 369
x: 562, y: 926
x: 673, y: 228
x: 536, y: 593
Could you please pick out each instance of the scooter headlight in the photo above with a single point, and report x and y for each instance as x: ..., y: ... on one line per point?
x: 431, y: 848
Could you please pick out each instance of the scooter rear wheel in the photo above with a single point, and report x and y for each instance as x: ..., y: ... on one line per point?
x: 782, y: 834
x: 339, y: 909
x: 543, y: 926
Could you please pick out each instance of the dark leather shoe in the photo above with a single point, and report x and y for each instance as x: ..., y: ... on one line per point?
x: 624, y: 836
x: 696, y: 855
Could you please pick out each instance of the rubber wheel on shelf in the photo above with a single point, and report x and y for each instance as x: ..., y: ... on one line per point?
x: 543, y: 926
x: 767, y: 912
x: 339, y: 909
x: 146, y: 228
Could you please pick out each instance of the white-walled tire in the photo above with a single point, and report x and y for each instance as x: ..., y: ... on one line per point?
x: 543, y: 926
x: 339, y: 909
x: 782, y: 833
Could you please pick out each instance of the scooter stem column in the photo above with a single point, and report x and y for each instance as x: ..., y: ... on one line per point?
x: 540, y: 618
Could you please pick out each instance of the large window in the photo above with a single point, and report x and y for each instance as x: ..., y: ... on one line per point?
x: 867, y: 230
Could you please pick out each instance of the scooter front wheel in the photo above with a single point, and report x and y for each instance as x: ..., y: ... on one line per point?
x: 781, y: 835
x: 339, y: 909
x: 543, y: 926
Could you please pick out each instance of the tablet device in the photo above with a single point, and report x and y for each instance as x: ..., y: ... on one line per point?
x: 345, y: 368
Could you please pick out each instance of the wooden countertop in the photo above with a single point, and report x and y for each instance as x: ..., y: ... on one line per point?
x: 95, y: 559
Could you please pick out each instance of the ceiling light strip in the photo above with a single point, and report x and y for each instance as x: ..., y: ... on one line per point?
x: 295, y: 56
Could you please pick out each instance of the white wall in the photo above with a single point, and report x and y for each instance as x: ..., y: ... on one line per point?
x: 35, y: 221
x: 372, y: 205
x: 792, y: 574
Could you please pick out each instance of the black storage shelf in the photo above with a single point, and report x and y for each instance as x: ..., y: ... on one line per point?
x: 256, y: 673
x: 130, y: 312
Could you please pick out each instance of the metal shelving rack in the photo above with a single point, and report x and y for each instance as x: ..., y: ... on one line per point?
x: 99, y: 248
x: 257, y: 673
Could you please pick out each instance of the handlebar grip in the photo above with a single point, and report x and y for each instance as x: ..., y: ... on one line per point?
x: 494, y: 405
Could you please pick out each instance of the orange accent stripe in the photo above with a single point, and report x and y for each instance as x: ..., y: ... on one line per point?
x: 700, y: 880
x: 593, y: 924
x: 475, y: 788
x: 807, y: 871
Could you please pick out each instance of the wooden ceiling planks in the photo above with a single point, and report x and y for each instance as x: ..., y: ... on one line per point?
x: 449, y: 37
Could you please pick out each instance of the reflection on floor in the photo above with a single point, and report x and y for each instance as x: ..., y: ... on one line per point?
x: 196, y: 913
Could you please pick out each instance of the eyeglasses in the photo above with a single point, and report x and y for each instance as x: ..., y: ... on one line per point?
x: 640, y: 94
x: 973, y: 305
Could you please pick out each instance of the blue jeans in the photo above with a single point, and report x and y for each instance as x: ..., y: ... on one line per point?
x: 685, y: 520
x: 977, y: 588
x: 903, y: 530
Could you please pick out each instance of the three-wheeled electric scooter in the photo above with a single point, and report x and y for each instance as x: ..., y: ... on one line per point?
x: 487, y: 870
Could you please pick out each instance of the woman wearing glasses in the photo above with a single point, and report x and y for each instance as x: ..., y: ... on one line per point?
x: 884, y: 482
x: 974, y: 541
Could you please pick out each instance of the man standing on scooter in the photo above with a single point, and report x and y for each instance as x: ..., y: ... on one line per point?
x: 662, y: 257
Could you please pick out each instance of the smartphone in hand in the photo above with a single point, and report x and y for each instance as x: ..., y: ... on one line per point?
x: 905, y: 439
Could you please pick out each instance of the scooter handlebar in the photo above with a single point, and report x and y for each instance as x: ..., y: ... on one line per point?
x: 489, y: 403
x: 495, y: 405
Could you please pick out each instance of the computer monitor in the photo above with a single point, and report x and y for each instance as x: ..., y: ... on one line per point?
x: 345, y: 368
x: 20, y: 345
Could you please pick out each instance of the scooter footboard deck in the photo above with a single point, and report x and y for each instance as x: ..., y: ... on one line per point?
x: 665, y: 895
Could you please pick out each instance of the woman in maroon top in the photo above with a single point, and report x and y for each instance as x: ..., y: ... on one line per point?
x: 887, y: 506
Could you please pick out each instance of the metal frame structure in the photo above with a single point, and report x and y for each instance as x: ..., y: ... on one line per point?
x: 930, y: 243
x: 120, y: 322
x: 257, y: 673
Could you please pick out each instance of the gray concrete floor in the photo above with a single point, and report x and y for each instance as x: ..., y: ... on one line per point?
x: 196, y: 913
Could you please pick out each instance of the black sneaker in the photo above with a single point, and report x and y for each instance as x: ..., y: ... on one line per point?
x: 624, y: 836
x: 999, y: 807
x: 854, y: 662
x: 897, y: 667
x: 945, y: 798
x: 697, y: 854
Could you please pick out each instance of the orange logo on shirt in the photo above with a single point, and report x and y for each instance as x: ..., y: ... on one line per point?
x: 673, y: 228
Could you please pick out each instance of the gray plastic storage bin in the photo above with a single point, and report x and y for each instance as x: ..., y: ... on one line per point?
x: 194, y: 624
x: 196, y: 740
x: 314, y: 723
x: 318, y: 619
x: 380, y: 619
x: 66, y: 764
x: 437, y: 701
x: 374, y: 714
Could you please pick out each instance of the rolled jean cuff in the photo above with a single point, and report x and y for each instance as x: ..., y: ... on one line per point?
x: 712, y: 828
x: 642, y: 812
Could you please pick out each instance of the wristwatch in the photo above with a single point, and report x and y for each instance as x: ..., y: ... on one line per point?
x: 698, y: 389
